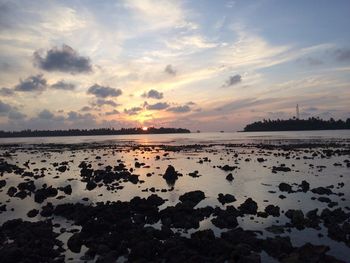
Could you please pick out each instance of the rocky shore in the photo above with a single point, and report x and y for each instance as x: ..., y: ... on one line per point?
x: 161, y: 203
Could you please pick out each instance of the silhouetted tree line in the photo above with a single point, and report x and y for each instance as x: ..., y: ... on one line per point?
x: 89, y: 132
x: 298, y: 125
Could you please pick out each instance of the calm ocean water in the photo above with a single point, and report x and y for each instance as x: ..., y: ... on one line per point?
x: 195, y: 138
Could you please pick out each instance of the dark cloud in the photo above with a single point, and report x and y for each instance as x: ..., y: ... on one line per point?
x: 86, y: 108
x: 104, y: 91
x: 113, y: 112
x: 6, y: 92
x: 101, y: 102
x: 62, y: 85
x: 233, y: 80
x: 46, y: 114
x: 342, y: 54
x: 16, y: 115
x: 153, y: 94
x: 65, y: 59
x: 78, y: 117
x: 4, y: 108
x: 170, y: 70
x: 157, y: 106
x: 180, y: 109
x: 133, y: 111
x: 32, y: 84
x: 11, y: 112
x: 49, y: 116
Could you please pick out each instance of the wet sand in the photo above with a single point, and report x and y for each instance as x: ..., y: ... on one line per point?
x: 221, y: 202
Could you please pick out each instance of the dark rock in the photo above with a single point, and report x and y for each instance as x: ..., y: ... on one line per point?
x: 229, y: 177
x: 30, y: 242
x: 62, y: 168
x: 276, y: 169
x: 272, y: 210
x: 284, y: 187
x: 193, y: 197
x: 322, y: 191
x: 43, y: 193
x: 33, y: 213
x: 227, y: 168
x: 249, y: 207
x: 225, y: 199
x: 305, y: 186
x: 21, y: 194
x: 66, y: 189
x: 2, y: 183
x: 91, y: 185
x: 12, y: 191
x: 170, y: 175
x: 296, y: 217
x: 324, y: 199
x: 47, y: 210
x: 74, y: 243
x: 277, y: 247
x: 27, y: 186
x: 226, y: 218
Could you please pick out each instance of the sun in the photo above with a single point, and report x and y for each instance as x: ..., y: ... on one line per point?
x: 144, y: 128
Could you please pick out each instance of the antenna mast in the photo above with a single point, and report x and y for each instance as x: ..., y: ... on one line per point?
x: 297, y: 112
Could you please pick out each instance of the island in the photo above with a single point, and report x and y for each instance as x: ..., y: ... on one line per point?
x: 91, y: 132
x: 298, y: 125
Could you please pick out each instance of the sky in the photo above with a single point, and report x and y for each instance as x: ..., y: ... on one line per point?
x: 201, y: 65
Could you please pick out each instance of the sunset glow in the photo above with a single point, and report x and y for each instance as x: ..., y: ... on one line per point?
x: 207, y: 65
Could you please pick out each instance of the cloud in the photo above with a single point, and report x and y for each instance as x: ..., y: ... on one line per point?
x: 113, y: 112
x: 159, y: 15
x: 133, y: 111
x: 62, y: 85
x: 32, y: 84
x: 233, y: 80
x: 6, y: 92
x: 153, y: 94
x: 180, y: 109
x: 47, y: 115
x: 10, y: 111
x: 191, y: 43
x: 86, y: 108
x: 65, y: 59
x: 157, y: 106
x: 16, y: 115
x: 104, y: 91
x: 5, y: 108
x: 342, y: 54
x: 170, y: 70
x: 101, y: 102
x: 74, y: 116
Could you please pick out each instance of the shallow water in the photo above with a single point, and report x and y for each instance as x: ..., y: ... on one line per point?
x: 251, y: 179
x: 193, y: 138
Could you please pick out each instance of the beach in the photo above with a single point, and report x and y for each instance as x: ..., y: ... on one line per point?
x: 216, y: 197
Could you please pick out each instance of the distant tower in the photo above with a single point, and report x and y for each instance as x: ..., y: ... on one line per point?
x: 297, y: 112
